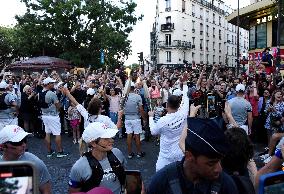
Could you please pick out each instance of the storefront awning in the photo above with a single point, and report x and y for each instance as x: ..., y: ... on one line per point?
x: 256, y: 10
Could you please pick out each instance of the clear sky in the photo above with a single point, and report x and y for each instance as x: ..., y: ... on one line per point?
x: 140, y: 36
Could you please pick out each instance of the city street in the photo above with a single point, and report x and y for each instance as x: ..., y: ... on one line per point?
x: 59, y: 168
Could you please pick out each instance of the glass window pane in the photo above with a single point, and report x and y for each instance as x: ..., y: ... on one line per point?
x: 261, y: 36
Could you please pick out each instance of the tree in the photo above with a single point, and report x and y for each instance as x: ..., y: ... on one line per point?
x: 76, y: 30
x: 6, y: 45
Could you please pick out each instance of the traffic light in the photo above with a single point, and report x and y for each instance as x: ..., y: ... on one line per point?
x: 140, y: 56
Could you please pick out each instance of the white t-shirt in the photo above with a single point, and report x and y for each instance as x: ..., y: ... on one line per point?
x: 170, y: 128
x: 94, y: 118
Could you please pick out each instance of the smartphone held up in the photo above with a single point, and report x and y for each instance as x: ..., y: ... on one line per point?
x: 18, y: 177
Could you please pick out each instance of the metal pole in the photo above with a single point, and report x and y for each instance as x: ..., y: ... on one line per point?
x: 278, y: 32
x: 238, y: 40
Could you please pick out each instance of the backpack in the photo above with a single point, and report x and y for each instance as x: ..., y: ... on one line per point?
x: 243, y: 184
x: 41, y: 99
x: 3, y: 105
x: 98, y: 172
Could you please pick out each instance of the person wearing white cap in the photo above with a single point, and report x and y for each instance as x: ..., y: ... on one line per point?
x: 93, y: 111
x: 102, y: 166
x: 8, y: 106
x: 50, y: 106
x: 13, y: 141
x: 241, y: 109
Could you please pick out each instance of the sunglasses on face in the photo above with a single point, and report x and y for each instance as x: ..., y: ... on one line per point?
x: 20, y: 143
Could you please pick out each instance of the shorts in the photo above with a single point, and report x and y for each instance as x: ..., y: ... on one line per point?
x: 75, y: 123
x: 133, y: 126
x: 52, y: 124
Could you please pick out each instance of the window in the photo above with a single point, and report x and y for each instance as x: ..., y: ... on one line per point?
x: 168, y: 4
x: 193, y: 24
x: 201, y: 13
x: 207, y: 29
x: 219, y: 59
x: 207, y: 15
x: 213, y: 18
x: 252, y: 37
x: 168, y: 19
x: 232, y: 39
x: 207, y: 43
x: 201, y: 58
x: 168, y: 39
x: 183, y: 6
x: 227, y: 50
x: 220, y: 20
x: 169, y: 56
x: 207, y: 59
x: 261, y: 36
x: 193, y: 40
x: 214, y: 59
x: 214, y: 46
x: 193, y: 55
x: 201, y: 44
x: 193, y: 10
x: 220, y: 46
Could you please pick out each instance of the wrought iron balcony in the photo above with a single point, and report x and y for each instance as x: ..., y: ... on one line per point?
x: 167, y: 27
x: 175, y: 44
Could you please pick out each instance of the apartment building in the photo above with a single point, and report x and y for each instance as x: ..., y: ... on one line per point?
x: 195, y: 31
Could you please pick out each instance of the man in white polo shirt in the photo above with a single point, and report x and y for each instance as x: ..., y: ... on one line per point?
x: 50, y: 106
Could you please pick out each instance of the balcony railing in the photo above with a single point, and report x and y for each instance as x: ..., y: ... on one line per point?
x: 167, y: 27
x: 211, y: 6
x: 175, y: 44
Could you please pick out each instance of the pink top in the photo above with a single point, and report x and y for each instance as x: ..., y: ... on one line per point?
x: 114, y: 103
x: 155, y: 93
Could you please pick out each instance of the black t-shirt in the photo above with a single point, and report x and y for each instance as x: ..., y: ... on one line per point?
x: 160, y: 183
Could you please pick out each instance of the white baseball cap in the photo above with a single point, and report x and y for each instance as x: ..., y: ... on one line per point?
x: 3, y: 85
x: 97, y: 130
x: 91, y: 91
x: 12, y: 133
x: 177, y: 92
x: 240, y: 87
x: 48, y: 80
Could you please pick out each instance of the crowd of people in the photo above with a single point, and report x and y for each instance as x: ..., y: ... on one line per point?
x: 206, y: 122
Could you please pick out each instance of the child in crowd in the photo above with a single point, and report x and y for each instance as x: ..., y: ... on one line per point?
x: 75, y: 118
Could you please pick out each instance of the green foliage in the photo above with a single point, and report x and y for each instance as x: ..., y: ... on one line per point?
x: 76, y: 30
x: 7, y: 43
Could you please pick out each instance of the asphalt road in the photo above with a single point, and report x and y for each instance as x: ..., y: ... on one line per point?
x: 59, y: 168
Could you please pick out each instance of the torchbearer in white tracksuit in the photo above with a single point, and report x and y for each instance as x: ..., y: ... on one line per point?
x: 170, y: 127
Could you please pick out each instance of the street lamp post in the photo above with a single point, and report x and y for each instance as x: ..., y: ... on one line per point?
x: 278, y: 32
x: 238, y: 40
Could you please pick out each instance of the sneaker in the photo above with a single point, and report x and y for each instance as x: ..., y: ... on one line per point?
x: 267, y: 159
x: 74, y: 141
x: 50, y: 154
x: 140, y: 155
x: 130, y: 156
x: 61, y: 154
